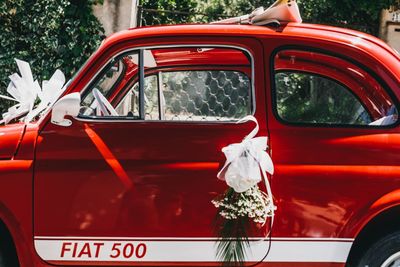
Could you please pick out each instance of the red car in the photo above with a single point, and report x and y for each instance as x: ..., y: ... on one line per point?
x: 128, y: 180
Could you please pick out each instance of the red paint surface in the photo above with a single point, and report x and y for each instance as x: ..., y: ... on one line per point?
x: 10, y: 136
x: 326, y: 181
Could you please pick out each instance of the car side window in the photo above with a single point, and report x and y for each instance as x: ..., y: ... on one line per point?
x: 205, y: 95
x: 180, y: 84
x: 314, y: 88
x: 308, y: 98
x: 129, y: 105
x: 107, y: 80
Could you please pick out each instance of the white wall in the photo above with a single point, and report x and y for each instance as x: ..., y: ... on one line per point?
x: 115, y: 15
x: 390, y: 29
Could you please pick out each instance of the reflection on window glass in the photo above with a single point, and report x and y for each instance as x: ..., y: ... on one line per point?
x: 107, y: 81
x: 215, y: 86
x: 206, y: 95
x: 151, y: 98
x: 308, y: 98
x: 129, y: 106
x: 313, y: 87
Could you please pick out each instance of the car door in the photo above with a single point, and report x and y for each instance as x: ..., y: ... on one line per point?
x: 333, y: 130
x: 136, y: 187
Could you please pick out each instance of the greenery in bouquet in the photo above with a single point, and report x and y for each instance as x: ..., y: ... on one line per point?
x: 238, y: 214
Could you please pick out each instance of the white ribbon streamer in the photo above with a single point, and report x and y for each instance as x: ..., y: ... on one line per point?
x: 245, y: 160
x: 51, y: 91
x: 103, y: 107
x: 25, y: 91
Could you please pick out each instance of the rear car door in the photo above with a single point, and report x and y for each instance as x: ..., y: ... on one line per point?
x: 133, y: 183
x: 333, y: 129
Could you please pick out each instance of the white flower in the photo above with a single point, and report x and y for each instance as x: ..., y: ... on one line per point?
x: 253, y: 204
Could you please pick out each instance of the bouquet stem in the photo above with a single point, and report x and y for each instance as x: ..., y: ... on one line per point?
x: 233, y: 242
x: 238, y: 213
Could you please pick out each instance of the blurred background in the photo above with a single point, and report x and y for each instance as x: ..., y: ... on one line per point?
x: 62, y: 34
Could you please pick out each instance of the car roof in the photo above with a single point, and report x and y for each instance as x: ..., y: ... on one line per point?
x: 369, y: 44
x: 330, y: 33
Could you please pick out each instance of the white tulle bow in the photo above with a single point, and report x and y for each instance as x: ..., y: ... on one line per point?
x: 245, y: 160
x: 247, y: 163
x: 24, y: 90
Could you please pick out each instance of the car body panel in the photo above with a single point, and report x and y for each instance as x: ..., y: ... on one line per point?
x: 329, y: 182
x: 141, y: 178
x: 11, y: 136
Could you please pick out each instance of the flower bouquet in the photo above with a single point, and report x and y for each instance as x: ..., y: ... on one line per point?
x: 243, y: 206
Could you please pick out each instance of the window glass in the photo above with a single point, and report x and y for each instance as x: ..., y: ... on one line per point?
x: 206, y: 95
x: 315, y: 88
x: 308, y: 98
x: 109, y: 79
x: 129, y: 106
x: 184, y: 84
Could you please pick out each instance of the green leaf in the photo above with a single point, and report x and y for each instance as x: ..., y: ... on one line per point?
x: 48, y: 34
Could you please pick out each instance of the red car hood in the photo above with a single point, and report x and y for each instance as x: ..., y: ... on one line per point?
x: 10, y: 136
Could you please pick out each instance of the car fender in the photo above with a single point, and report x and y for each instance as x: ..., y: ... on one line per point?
x: 21, y: 242
x: 365, y: 215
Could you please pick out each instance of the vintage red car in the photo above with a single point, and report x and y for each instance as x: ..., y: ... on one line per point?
x: 129, y: 178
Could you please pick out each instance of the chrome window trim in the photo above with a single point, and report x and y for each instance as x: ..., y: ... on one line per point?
x: 112, y: 119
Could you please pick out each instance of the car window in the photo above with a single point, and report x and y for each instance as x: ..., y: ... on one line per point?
x: 308, y: 98
x: 314, y: 88
x: 180, y: 84
x: 110, y: 77
x: 129, y: 105
x: 205, y: 95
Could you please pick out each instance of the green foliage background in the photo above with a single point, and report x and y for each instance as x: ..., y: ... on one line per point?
x: 357, y: 14
x: 49, y: 34
x: 52, y: 34
x: 156, y: 18
x: 361, y: 15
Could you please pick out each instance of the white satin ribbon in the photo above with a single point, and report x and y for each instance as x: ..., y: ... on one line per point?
x: 103, y: 107
x: 25, y: 91
x: 244, y: 161
x: 280, y: 11
x: 51, y: 91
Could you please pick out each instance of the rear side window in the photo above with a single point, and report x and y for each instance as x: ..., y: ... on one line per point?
x: 308, y: 98
x: 314, y: 88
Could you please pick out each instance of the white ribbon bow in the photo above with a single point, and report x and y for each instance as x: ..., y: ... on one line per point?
x: 25, y: 90
x: 245, y: 160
